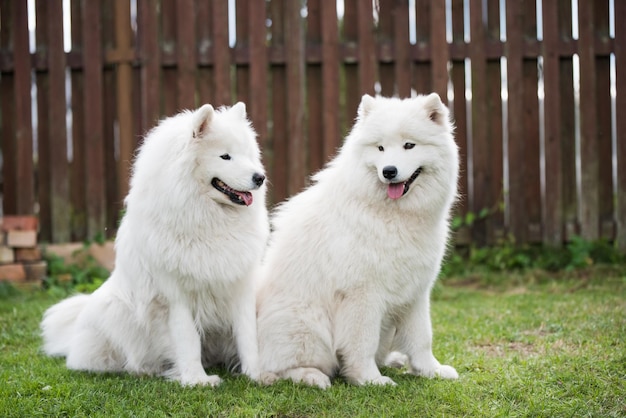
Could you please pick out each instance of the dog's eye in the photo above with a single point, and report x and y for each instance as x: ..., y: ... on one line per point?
x: 225, y: 156
x: 381, y: 148
x: 409, y: 145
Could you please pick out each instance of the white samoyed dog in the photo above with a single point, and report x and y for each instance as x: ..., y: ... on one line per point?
x: 181, y: 296
x: 345, y: 284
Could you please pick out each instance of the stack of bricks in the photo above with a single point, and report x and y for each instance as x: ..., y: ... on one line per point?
x: 20, y: 257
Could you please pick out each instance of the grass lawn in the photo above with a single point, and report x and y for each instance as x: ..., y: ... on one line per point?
x: 528, y: 344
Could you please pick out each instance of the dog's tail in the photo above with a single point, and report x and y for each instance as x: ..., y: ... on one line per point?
x: 57, y: 326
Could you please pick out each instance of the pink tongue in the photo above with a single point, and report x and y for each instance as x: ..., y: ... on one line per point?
x: 247, y: 197
x: 395, y: 190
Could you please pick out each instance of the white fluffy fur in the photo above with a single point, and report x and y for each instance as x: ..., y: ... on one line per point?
x: 346, y: 281
x: 181, y: 295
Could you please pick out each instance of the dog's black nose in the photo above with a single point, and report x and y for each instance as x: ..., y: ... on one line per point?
x: 258, y: 179
x: 390, y: 172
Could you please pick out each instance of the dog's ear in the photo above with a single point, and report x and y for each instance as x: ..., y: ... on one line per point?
x: 202, y: 119
x: 367, y: 104
x: 240, y: 109
x: 436, y: 110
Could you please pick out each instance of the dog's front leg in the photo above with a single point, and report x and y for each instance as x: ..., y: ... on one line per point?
x: 414, y: 337
x: 357, y: 337
x: 245, y: 333
x: 187, y: 349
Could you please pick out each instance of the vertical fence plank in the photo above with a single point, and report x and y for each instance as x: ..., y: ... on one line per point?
x: 481, y: 153
x: 77, y: 168
x: 401, y: 47
x: 352, y: 92
x: 150, y: 61
x: 94, y: 124
x: 529, y: 176
x: 567, y: 121
x: 204, y: 34
x: 366, y: 47
x: 43, y: 123
x: 7, y: 141
x: 242, y: 67
x: 315, y: 85
x: 58, y: 134
x: 330, y: 79
x: 294, y: 48
x: 459, y: 113
x: 169, y: 42
x: 23, y: 123
x: 620, y: 81
x: 186, y: 55
x: 495, y: 187
x: 422, y: 82
x: 589, y: 203
x: 553, y: 201
x: 603, y: 115
x: 386, y: 61
x: 123, y: 51
x: 258, y: 86
x: 439, y: 51
x: 278, y: 161
x: 221, y: 54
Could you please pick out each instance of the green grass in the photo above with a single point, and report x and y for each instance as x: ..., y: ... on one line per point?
x: 525, y: 344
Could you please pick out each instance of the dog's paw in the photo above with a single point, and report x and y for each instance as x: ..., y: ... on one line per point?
x: 381, y: 381
x: 206, y: 380
x: 268, y: 378
x: 446, y: 372
x: 396, y: 360
x: 309, y: 376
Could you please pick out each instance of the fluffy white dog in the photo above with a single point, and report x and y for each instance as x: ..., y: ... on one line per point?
x: 181, y: 295
x: 352, y: 260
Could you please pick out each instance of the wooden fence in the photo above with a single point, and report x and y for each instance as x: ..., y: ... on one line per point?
x: 536, y: 93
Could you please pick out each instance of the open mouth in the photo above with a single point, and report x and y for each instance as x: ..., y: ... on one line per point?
x: 235, y: 196
x: 397, y: 190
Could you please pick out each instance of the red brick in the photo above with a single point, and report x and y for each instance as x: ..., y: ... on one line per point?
x: 13, y: 272
x: 6, y: 255
x: 28, y: 254
x: 20, y: 223
x: 36, y: 272
x: 22, y: 239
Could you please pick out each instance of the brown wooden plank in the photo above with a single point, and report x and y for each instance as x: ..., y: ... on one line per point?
x: 620, y: 81
x: 23, y: 123
x: 204, y: 33
x: 330, y: 76
x: 94, y: 123
x: 495, y: 192
x: 439, y: 49
x: 294, y: 46
x: 123, y: 43
x: 168, y: 45
x: 7, y: 127
x: 186, y: 54
x: 258, y: 77
x: 530, y: 177
x: 278, y: 160
x: 384, y: 39
x: 603, y: 129
x: 315, y: 86
x: 352, y: 93
x: 567, y: 120
x: 589, y: 201
x: 481, y: 155
x: 43, y: 122
x: 77, y: 168
x: 422, y: 82
x: 242, y: 69
x: 459, y: 114
x: 401, y: 43
x: 149, y: 55
x: 366, y: 47
x: 221, y: 54
x: 553, y: 199
x: 60, y: 206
